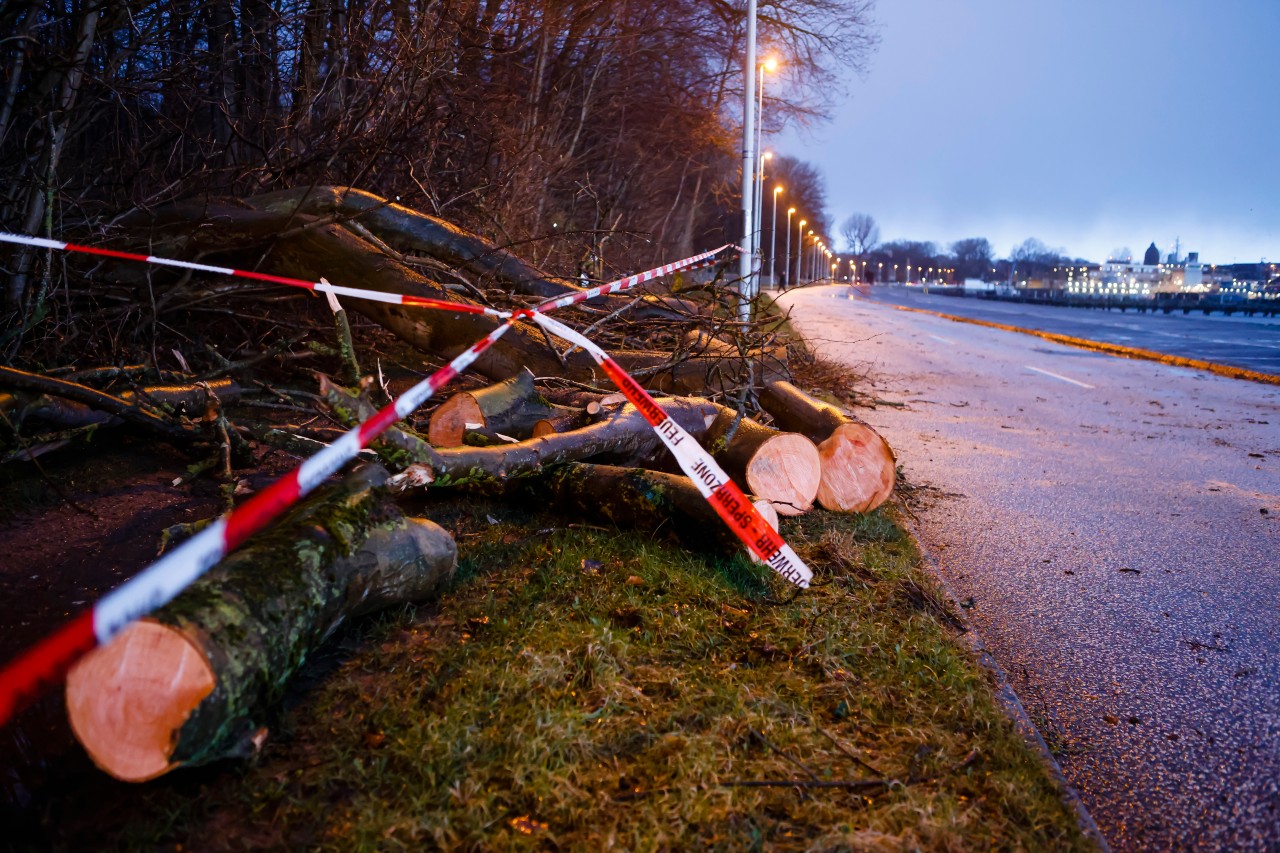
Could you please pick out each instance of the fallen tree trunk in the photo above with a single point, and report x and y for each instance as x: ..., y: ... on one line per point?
x: 192, y: 682
x: 511, y: 408
x: 295, y: 233
x: 409, y: 230
x: 635, y: 499
x: 858, y: 466
x: 622, y: 438
x: 782, y: 468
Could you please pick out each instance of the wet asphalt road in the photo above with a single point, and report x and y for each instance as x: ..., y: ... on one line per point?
x: 1249, y: 342
x: 1104, y: 517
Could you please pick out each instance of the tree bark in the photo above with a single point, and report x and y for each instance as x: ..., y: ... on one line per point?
x: 635, y: 499
x: 780, y: 467
x: 412, y: 231
x: 293, y: 239
x: 858, y: 466
x: 194, y: 681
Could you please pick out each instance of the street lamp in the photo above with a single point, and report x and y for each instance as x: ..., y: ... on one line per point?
x: 773, y: 236
x: 769, y: 64
x: 800, y: 251
x: 746, y: 261
x: 759, y: 203
x: 786, y: 267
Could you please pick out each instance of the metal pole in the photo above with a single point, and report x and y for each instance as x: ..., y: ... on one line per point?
x: 786, y: 267
x: 755, y: 287
x: 773, y: 239
x: 747, y: 262
x: 800, y: 252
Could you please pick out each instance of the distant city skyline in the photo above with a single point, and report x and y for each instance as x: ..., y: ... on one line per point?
x: 1088, y: 125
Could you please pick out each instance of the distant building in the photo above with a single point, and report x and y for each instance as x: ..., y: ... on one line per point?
x: 1152, y: 257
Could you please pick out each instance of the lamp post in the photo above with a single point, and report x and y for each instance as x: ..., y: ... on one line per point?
x: 806, y: 276
x: 746, y: 261
x: 800, y: 251
x: 786, y: 267
x: 759, y: 202
x: 773, y: 237
x: 769, y: 64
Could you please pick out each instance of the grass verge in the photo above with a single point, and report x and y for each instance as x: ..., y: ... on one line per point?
x: 586, y: 689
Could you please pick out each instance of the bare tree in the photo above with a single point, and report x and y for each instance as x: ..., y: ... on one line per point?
x: 860, y: 232
x: 609, y: 124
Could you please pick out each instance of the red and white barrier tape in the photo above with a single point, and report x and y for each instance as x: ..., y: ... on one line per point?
x: 322, y: 286
x: 49, y: 660
x: 362, y: 293
x: 724, y: 496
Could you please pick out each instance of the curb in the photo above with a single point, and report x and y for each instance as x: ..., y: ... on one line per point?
x: 1110, y: 349
x: 1005, y: 695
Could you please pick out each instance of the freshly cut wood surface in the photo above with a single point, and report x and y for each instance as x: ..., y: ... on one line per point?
x: 194, y: 682
x: 509, y: 408
x: 858, y: 467
x: 453, y: 419
x: 780, y: 467
x: 127, y: 699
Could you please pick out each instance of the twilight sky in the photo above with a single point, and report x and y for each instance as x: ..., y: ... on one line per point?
x: 1089, y: 124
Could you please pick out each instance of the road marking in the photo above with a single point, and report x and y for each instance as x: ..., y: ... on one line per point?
x: 1058, y: 376
x: 944, y: 340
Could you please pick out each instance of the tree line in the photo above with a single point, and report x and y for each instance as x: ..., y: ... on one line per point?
x: 971, y: 257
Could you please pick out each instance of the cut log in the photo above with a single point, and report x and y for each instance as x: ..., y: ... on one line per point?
x: 511, y: 407
x: 858, y: 466
x: 636, y: 499
x: 193, y: 682
x: 782, y: 468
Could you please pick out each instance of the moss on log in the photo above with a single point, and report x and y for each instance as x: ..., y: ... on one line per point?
x: 196, y: 680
